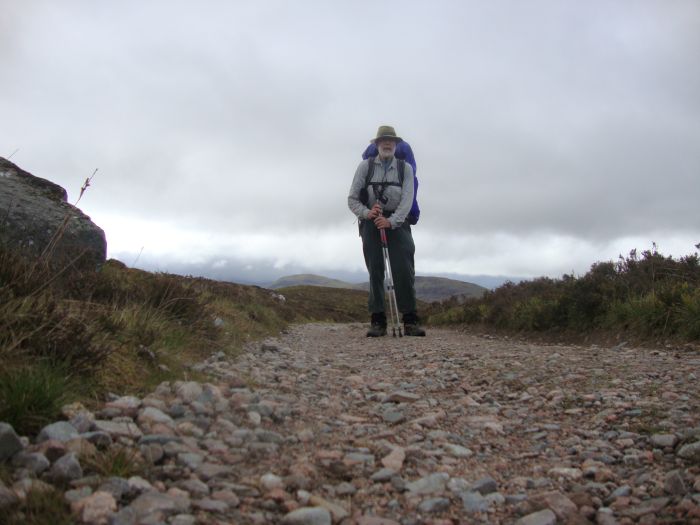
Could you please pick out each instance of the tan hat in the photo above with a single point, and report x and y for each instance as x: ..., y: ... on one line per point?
x: 386, y: 132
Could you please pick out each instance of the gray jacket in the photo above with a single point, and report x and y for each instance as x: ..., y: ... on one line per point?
x: 399, y: 199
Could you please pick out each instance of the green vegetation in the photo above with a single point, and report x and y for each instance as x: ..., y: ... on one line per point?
x: 428, y: 289
x: 116, y: 461
x: 316, y: 303
x: 439, y: 288
x: 32, y: 396
x: 42, y: 506
x: 67, y: 335
x: 644, y: 297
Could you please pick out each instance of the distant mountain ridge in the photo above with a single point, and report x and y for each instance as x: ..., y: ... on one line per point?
x: 428, y: 289
x: 309, y: 279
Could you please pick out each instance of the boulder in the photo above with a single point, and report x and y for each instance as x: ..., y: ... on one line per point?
x: 33, y: 212
x: 10, y: 443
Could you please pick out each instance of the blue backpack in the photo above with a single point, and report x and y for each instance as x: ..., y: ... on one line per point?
x: 403, y: 153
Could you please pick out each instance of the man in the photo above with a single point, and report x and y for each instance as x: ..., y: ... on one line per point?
x: 385, y: 205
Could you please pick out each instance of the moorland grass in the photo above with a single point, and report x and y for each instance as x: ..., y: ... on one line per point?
x: 647, y: 297
x: 70, y: 335
x: 31, y: 396
x: 116, y: 460
x: 42, y: 506
x: 116, y: 329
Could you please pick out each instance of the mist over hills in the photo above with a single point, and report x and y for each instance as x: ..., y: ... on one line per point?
x: 427, y: 288
x: 264, y: 273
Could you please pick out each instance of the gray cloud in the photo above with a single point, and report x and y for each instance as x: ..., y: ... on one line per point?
x: 536, y: 120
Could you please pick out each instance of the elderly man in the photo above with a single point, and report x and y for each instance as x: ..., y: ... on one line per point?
x: 383, y: 202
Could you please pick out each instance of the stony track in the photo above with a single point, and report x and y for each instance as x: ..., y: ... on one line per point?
x: 323, y: 425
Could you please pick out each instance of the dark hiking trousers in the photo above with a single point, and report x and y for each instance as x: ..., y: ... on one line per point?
x: 401, y: 252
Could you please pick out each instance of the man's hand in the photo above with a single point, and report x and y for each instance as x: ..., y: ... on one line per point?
x: 382, y: 223
x: 375, y: 212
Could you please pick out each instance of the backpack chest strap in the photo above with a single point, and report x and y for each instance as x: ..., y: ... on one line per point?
x: 400, y: 165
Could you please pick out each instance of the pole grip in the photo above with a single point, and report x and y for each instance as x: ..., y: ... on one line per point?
x: 382, y: 234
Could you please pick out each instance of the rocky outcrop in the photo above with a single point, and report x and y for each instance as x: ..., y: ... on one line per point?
x: 36, y: 218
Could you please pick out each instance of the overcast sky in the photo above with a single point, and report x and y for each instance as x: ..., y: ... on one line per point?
x: 548, y: 134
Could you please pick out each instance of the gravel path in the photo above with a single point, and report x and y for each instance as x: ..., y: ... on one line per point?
x: 323, y: 425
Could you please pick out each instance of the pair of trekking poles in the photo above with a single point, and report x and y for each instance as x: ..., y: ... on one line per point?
x: 393, y: 306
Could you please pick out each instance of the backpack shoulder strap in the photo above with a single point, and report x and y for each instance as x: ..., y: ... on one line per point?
x: 401, y: 164
x: 370, y: 170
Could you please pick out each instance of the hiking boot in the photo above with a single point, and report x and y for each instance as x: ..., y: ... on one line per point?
x: 411, y: 326
x: 413, y: 330
x: 376, y: 330
x: 377, y: 325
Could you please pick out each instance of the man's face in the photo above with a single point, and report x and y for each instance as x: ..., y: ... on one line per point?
x: 386, y: 148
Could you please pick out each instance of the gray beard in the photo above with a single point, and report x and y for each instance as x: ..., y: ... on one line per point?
x: 386, y: 155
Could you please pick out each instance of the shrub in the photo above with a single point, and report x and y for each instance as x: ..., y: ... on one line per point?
x: 687, y: 315
x: 119, y: 461
x: 43, y: 327
x: 534, y: 313
x: 32, y: 396
x: 649, y: 296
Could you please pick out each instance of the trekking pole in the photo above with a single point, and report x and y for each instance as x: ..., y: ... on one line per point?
x: 393, y: 307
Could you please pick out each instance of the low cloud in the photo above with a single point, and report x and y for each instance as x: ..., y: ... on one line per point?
x: 548, y: 134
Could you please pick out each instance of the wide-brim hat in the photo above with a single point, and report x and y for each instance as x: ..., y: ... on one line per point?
x: 386, y: 132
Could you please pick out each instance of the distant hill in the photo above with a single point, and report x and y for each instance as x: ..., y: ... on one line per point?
x: 309, y: 279
x: 440, y: 288
x: 428, y: 289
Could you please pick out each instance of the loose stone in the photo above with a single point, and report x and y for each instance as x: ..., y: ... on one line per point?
x: 117, y: 487
x: 99, y: 439
x: 568, y: 473
x: 195, y: 487
x: 189, y: 391
x: 95, y: 509
x: 183, y: 519
x: 375, y: 520
x: 152, y: 502
x: 484, y: 486
x: 271, y: 481
x: 674, y: 484
x: 401, y: 396
x: 457, y: 451
x: 338, y: 513
x: 66, y: 469
x: 127, y: 429
x: 561, y: 505
x: 651, y: 506
x: 434, y: 505
x: 543, y: 517
x: 429, y: 484
x: 210, y: 505
x: 394, y: 460
x: 151, y: 415
x: 60, y: 431
x: 35, y: 462
x: 393, y: 417
x: 664, y: 440
x: 308, y: 516
x: 10, y: 443
x: 383, y: 475
x: 474, y: 502
x: 691, y: 452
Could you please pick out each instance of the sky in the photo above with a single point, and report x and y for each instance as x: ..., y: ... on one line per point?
x: 549, y: 134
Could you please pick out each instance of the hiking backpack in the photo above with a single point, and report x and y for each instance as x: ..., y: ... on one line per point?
x: 403, y: 154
